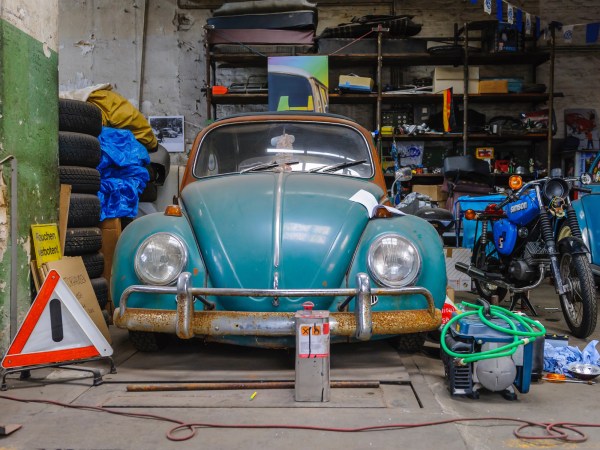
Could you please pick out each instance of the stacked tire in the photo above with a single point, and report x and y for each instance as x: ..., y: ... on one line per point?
x: 79, y: 153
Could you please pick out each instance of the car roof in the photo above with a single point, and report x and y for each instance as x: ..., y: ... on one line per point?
x: 283, y: 114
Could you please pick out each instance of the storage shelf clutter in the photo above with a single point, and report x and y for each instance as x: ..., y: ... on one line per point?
x: 376, y: 72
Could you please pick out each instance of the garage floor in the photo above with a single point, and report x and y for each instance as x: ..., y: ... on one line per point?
x: 411, y: 390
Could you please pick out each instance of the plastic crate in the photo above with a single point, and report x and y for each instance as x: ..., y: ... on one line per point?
x: 469, y: 232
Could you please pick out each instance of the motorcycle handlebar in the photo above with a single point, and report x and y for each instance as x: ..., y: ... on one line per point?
x: 515, y: 195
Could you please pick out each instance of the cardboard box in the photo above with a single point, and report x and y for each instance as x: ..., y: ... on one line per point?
x: 493, y: 86
x: 433, y: 191
x: 72, y: 271
x: 356, y: 83
x: 453, y: 77
x: 111, y: 231
x: 457, y: 280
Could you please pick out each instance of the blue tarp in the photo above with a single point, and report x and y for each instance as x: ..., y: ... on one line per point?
x: 122, y: 172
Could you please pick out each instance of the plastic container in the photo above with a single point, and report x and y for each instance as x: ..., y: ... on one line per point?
x: 470, y: 234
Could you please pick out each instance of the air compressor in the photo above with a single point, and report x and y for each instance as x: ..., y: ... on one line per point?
x: 489, y: 347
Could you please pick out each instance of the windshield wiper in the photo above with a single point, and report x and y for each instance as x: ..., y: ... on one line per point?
x: 338, y: 166
x: 267, y: 166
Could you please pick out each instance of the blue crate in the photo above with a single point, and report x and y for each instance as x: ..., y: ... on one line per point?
x: 468, y: 226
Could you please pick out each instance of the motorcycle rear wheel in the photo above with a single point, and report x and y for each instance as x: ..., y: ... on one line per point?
x: 579, y: 305
x: 483, y: 257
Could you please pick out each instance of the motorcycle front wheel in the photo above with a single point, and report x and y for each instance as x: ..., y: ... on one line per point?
x: 485, y: 258
x: 579, y: 303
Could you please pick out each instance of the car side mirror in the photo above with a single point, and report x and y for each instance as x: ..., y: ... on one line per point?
x: 404, y: 174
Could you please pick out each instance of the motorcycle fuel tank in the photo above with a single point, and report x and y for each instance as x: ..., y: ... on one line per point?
x: 523, y: 210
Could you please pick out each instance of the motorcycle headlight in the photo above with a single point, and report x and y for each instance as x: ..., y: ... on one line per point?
x: 393, y: 261
x: 160, y: 259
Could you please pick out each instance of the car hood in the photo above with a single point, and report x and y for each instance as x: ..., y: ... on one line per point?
x: 277, y: 229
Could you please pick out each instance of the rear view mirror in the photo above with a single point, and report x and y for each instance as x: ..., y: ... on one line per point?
x: 404, y: 174
x: 585, y: 178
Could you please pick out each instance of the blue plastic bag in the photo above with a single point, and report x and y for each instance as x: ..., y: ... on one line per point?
x: 556, y: 359
x: 122, y: 173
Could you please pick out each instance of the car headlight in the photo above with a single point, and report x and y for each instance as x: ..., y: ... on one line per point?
x: 393, y: 261
x: 160, y: 259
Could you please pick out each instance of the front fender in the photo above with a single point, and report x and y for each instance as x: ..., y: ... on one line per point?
x: 123, y: 272
x: 433, y: 267
x: 572, y: 245
x: 587, y: 209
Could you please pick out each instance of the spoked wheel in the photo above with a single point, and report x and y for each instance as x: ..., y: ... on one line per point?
x: 579, y: 303
x: 485, y: 257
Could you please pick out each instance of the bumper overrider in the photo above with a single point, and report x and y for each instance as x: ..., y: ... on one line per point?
x: 362, y: 324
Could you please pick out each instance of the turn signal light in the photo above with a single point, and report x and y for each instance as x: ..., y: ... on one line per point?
x: 515, y: 182
x: 381, y: 212
x: 470, y: 214
x: 173, y: 210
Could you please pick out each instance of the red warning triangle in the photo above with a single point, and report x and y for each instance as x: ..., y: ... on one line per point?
x: 56, y: 329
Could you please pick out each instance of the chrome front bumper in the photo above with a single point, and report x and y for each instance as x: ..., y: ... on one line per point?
x: 361, y: 324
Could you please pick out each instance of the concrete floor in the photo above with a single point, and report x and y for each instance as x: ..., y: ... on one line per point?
x: 412, y: 390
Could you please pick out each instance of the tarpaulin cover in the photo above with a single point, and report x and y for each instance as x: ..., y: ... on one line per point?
x: 118, y: 112
x: 123, y: 175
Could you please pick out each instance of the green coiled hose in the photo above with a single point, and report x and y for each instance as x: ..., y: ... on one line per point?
x: 520, y: 337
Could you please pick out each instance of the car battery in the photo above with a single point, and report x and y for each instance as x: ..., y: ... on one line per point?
x: 312, y: 355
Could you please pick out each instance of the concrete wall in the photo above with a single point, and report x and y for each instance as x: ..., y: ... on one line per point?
x: 576, y: 71
x: 29, y: 132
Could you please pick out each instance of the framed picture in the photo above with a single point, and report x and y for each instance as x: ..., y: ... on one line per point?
x: 581, y: 123
x: 298, y: 83
x: 169, y: 132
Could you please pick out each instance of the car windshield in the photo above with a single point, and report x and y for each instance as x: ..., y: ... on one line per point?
x: 306, y: 146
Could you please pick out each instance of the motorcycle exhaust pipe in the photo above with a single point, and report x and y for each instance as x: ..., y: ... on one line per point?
x: 479, y: 274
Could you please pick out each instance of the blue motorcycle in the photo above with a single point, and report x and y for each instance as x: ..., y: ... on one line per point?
x: 521, y: 244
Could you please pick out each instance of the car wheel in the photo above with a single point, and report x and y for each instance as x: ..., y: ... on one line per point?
x: 100, y: 286
x: 84, y: 211
x: 150, y: 193
x: 94, y: 264
x: 82, y: 240
x: 409, y: 343
x: 146, y: 341
x: 78, y: 149
x: 79, y: 117
x: 83, y: 180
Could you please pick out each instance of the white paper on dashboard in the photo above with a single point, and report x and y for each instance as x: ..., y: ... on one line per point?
x: 369, y: 201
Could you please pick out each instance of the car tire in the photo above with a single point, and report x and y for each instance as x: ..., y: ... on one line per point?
x: 79, y: 241
x: 409, y: 343
x: 83, y: 180
x: 100, y: 286
x: 78, y: 149
x: 84, y: 211
x: 147, y: 341
x: 150, y: 193
x: 94, y: 264
x: 79, y: 117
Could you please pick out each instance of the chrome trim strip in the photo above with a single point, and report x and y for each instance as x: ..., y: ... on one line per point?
x: 277, y: 224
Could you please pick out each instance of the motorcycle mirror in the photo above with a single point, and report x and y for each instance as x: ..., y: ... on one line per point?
x: 403, y: 174
x: 585, y: 178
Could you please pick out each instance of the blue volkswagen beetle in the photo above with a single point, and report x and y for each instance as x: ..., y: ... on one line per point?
x: 275, y: 210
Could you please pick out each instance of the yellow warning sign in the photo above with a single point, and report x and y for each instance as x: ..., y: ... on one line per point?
x: 316, y: 330
x: 46, y: 243
x: 305, y: 331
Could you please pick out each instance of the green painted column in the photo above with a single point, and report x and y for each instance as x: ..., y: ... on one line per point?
x: 29, y: 133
